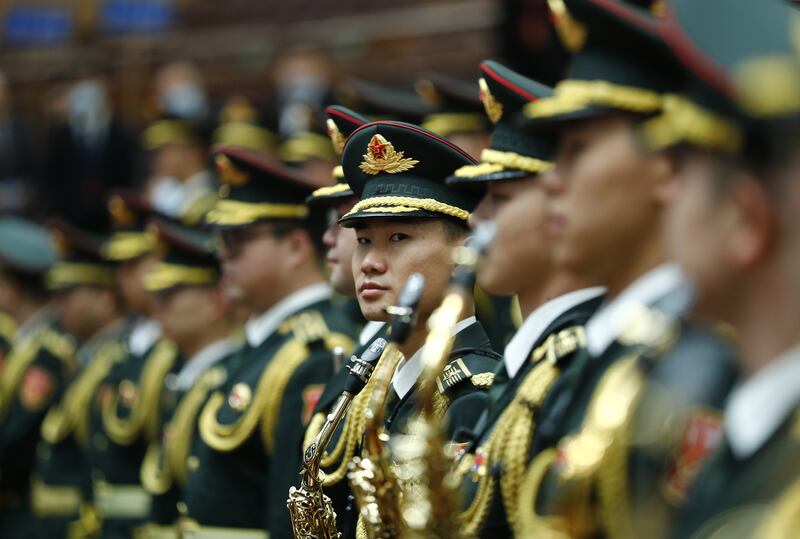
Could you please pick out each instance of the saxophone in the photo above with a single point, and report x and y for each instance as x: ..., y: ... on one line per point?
x: 430, y: 503
x: 310, y: 509
x: 372, y: 480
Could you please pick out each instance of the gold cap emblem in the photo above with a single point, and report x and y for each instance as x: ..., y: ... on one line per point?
x: 494, y: 109
x: 336, y: 136
x: 228, y: 172
x: 382, y: 157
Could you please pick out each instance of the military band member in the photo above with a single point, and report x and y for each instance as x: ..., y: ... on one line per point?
x: 40, y: 368
x: 124, y: 409
x: 735, y: 143
x: 252, y: 428
x: 407, y: 220
x: 61, y: 487
x: 555, y: 304
x: 196, y: 315
x: 616, y: 455
x: 26, y: 254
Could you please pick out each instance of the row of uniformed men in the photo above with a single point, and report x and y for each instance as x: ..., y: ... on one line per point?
x: 673, y: 139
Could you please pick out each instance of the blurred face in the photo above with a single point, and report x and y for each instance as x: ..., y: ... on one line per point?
x: 520, y: 253
x: 129, y: 276
x: 603, y: 207
x: 253, y: 265
x: 174, y: 161
x: 185, y: 313
x: 389, y: 251
x: 340, y: 243
x: 84, y: 310
x: 9, y: 295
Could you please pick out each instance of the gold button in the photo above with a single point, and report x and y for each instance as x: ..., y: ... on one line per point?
x: 100, y: 442
x: 183, y: 509
x: 240, y: 397
x: 192, y: 463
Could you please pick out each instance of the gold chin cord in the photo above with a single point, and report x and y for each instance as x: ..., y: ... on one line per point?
x: 430, y: 503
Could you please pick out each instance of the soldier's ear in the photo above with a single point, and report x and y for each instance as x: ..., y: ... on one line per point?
x: 755, y: 223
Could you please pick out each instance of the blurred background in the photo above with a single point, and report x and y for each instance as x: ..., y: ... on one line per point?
x: 81, y: 80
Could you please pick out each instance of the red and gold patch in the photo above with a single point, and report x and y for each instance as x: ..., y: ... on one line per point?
x: 311, y: 396
x: 701, y: 436
x: 38, y: 386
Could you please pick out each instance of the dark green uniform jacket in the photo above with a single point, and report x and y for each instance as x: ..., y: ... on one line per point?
x: 252, y: 429
x: 503, y: 392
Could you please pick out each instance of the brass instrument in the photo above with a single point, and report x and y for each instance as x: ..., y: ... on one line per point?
x: 310, y: 509
x: 430, y: 503
x: 371, y: 478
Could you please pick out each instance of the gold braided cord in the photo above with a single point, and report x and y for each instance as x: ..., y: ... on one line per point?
x: 684, y: 121
x: 531, y: 524
x: 515, y: 161
x: 406, y: 204
x: 234, y: 212
x: 129, y: 245
x: 245, y: 135
x: 783, y: 519
x: 481, y: 169
x: 144, y: 414
x: 8, y: 327
x: 17, y: 363
x: 446, y: 123
x: 165, y: 275
x: 64, y: 274
x: 572, y: 95
x: 155, y: 474
x: 331, y: 190
x: 314, y: 427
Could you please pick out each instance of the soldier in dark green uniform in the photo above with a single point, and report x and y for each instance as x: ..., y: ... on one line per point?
x: 407, y: 220
x: 40, y: 368
x: 610, y: 199
x: 734, y: 133
x: 118, y: 438
x: 196, y: 315
x: 61, y: 480
x: 252, y: 429
x: 26, y: 253
x: 555, y: 304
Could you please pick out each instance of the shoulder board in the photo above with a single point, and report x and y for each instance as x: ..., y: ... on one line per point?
x: 8, y: 327
x: 650, y: 330
x: 457, y: 372
x: 560, y: 344
x: 307, y: 326
x: 59, y: 344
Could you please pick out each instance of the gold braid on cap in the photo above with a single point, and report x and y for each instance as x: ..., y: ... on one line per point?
x: 129, y: 245
x: 233, y: 212
x: 165, y: 275
x: 331, y: 190
x: 64, y: 274
x: 407, y: 204
x: 572, y: 95
x: 684, y: 121
x: 497, y: 161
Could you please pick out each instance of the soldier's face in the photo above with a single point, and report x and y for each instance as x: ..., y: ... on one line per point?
x: 520, y: 253
x: 605, y: 198
x: 253, y: 261
x: 185, y: 313
x: 389, y: 251
x: 340, y: 243
x: 84, y: 310
x: 130, y: 275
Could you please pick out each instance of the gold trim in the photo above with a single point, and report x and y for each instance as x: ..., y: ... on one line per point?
x: 165, y: 275
x: 481, y: 169
x: 245, y: 135
x: 572, y: 95
x: 447, y: 123
x: 768, y: 86
x: 498, y: 161
x: 191, y: 529
x: 331, y: 190
x: 8, y: 327
x: 233, y: 212
x: 64, y: 274
x: 129, y: 245
x: 571, y: 32
x: 121, y: 501
x: 336, y: 136
x: 407, y: 204
x: 338, y: 172
x: 685, y: 121
x: 165, y: 132
x: 54, y: 500
x: 305, y: 146
x: 493, y: 107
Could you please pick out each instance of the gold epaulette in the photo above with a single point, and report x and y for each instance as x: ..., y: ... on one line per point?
x: 72, y: 413
x: 22, y: 354
x: 144, y: 410
x: 8, y: 327
x: 59, y: 344
x: 457, y: 372
x: 264, y: 406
